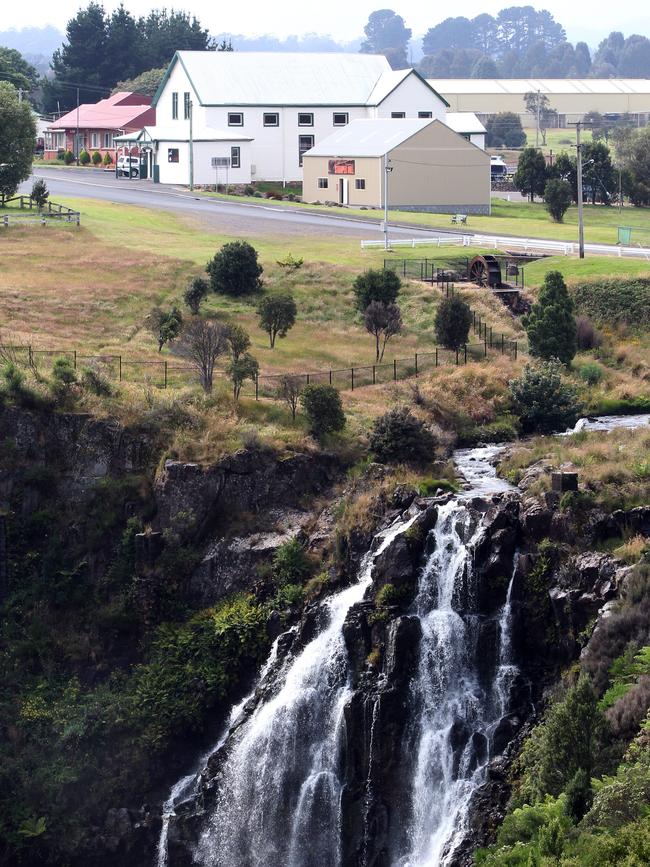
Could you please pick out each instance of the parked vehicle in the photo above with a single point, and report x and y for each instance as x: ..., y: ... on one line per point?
x: 498, y: 168
x: 128, y: 166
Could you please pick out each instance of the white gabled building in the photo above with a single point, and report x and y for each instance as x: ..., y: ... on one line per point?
x: 272, y: 107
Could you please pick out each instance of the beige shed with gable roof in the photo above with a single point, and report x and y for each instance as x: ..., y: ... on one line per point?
x: 430, y: 167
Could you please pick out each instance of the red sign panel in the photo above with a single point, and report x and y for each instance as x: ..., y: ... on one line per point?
x: 341, y: 167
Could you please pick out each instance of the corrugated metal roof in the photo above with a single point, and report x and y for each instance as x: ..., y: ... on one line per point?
x: 369, y: 137
x: 102, y: 115
x: 464, y: 121
x: 284, y: 78
x: 549, y: 86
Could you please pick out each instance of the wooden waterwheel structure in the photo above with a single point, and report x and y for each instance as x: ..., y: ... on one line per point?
x: 486, y: 271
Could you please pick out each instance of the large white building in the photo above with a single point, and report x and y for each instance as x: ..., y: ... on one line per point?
x: 262, y: 111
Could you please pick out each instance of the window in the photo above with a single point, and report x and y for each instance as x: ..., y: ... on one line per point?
x: 398, y: 114
x: 174, y: 106
x: 305, y: 142
x: 360, y: 184
x: 272, y: 119
x: 305, y: 118
x: 235, y: 158
x: 172, y: 155
x: 235, y: 118
x: 187, y: 106
x: 424, y: 114
x: 94, y: 140
x: 340, y: 167
x: 108, y: 140
x: 323, y: 183
x: 340, y: 118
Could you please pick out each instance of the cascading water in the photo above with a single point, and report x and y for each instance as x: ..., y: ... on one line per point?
x: 280, y: 782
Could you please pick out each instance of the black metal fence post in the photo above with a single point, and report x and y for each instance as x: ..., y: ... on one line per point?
x: 165, y: 363
x: 394, y: 370
x: 416, y: 364
x: 119, y: 368
x: 465, y: 353
x: 373, y: 374
x: 257, y: 386
x: 352, y: 377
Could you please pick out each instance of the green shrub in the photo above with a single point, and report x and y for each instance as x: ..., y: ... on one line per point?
x: 543, y: 401
x: 196, y: 293
x: 234, y: 269
x: 97, y: 158
x: 551, y: 325
x: 39, y: 194
x: 498, y: 431
x: 84, y: 157
x: 108, y: 159
x: 610, y: 302
x: 591, y: 373
x: 93, y: 381
x: 291, y: 564
x: 68, y: 158
x: 376, y: 285
x: 398, y: 436
x: 453, y: 321
x: 277, y: 313
x: 387, y: 595
x: 428, y: 487
x: 323, y: 408
x: 558, y: 195
x: 620, y: 406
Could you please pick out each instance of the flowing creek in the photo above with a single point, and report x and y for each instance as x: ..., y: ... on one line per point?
x: 281, y: 768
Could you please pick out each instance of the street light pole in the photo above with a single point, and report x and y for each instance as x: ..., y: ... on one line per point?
x: 387, y: 170
x: 191, y: 149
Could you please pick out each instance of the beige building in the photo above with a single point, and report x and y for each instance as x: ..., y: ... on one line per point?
x: 572, y: 98
x: 429, y: 168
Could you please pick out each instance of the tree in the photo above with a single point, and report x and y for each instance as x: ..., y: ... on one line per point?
x: 543, y: 402
x: 239, y: 370
x: 484, y: 67
x: 539, y: 102
x: 277, y: 314
x: 289, y: 390
x: 387, y: 34
x: 238, y: 340
x: 504, y: 129
x: 40, y: 193
x: 530, y: 177
x: 452, y: 33
x: 557, y: 196
x: 165, y: 325
x: 398, y: 435
x: 234, y: 270
x: 453, y: 321
x: 383, y: 321
x: 17, y: 71
x: 196, y: 293
x: 599, y: 175
x: 376, y: 285
x: 17, y: 134
x: 97, y: 158
x: 201, y: 343
x: 551, y: 325
x: 146, y: 83
x: 323, y: 408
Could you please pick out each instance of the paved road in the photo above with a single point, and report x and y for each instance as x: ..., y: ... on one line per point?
x: 228, y: 217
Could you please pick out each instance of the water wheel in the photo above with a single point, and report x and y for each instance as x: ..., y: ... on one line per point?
x: 485, y: 270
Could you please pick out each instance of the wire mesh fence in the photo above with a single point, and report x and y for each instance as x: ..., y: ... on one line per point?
x: 167, y: 373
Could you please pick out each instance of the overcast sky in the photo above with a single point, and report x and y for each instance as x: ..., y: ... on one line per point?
x: 341, y: 18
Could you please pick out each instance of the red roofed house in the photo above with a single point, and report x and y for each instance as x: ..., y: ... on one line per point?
x: 97, y: 124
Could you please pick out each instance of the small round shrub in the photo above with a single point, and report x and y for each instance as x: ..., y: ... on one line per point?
x: 97, y: 158
x: 591, y: 373
x: 108, y: 159
x: 453, y: 321
x: 93, y: 381
x: 376, y: 284
x: 399, y: 436
x: 234, y: 269
x: 323, y: 408
x: 84, y: 157
x: 68, y: 158
x: 543, y: 401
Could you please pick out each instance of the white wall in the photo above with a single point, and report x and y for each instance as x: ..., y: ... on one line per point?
x: 204, y: 174
x: 411, y: 96
x: 274, y: 150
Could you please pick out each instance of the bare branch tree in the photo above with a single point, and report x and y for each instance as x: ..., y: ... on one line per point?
x: 201, y: 343
x: 383, y: 321
x: 289, y: 389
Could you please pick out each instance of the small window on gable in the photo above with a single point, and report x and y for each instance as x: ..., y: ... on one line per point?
x: 360, y: 183
x: 305, y: 118
x: 271, y: 119
x: 235, y: 118
x: 340, y: 118
x: 323, y: 183
x: 398, y: 114
x: 174, y: 106
x: 187, y: 106
x: 424, y: 114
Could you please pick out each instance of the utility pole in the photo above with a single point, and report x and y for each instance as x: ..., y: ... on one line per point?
x: 191, y: 149
x: 581, y: 221
x: 537, y: 130
x: 76, y: 143
x: 387, y: 170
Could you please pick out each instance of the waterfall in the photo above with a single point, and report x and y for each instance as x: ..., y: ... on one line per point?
x: 454, y: 714
x: 280, y: 782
